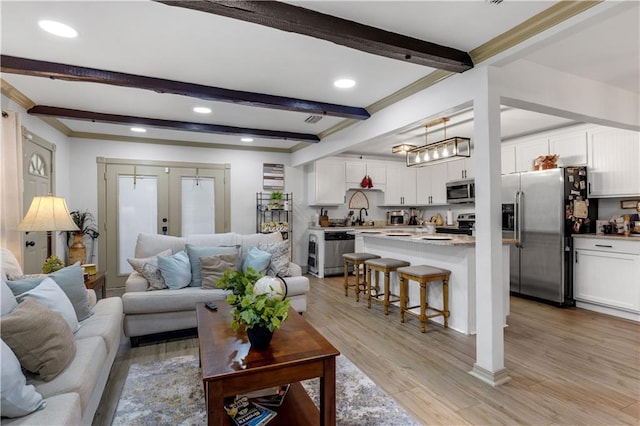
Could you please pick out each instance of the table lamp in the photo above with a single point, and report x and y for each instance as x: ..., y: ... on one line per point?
x: 48, y: 213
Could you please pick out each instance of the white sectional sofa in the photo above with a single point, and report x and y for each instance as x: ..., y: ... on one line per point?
x: 72, y: 397
x: 150, y: 311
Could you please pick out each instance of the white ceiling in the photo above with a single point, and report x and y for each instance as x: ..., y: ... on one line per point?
x: 152, y: 39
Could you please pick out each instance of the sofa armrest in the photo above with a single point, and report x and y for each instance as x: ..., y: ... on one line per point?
x: 136, y: 282
x: 93, y: 299
x: 295, y: 270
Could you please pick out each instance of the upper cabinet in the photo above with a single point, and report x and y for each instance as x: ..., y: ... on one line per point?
x: 508, y: 159
x: 432, y: 184
x: 614, y: 156
x: 527, y: 152
x: 570, y: 146
x: 460, y: 169
x: 325, y: 182
x: 357, y: 169
x: 401, y: 185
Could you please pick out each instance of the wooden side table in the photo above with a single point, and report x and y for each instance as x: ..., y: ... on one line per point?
x: 97, y: 282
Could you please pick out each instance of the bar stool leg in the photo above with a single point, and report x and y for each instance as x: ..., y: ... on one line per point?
x: 357, y: 268
x: 445, y: 300
x: 368, y: 269
x: 346, y: 277
x: 386, y: 292
x: 403, y: 297
x: 423, y: 306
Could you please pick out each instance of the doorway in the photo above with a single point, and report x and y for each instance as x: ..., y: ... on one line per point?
x: 37, y: 173
x: 167, y: 198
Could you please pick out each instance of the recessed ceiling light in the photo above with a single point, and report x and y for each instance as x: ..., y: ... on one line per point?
x: 58, y: 28
x: 202, y: 110
x: 138, y: 129
x: 246, y: 139
x: 344, y: 83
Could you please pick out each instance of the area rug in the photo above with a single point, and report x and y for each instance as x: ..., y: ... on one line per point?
x: 170, y: 392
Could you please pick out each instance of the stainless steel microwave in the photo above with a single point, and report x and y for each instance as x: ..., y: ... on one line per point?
x: 461, y: 191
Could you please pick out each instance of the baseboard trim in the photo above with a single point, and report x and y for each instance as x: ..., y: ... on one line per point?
x: 494, y: 379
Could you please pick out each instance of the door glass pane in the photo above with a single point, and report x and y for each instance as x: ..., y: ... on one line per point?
x: 198, y: 202
x: 137, y: 213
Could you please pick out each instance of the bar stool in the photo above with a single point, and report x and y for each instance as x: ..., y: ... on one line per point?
x: 424, y: 275
x: 386, y: 265
x: 356, y: 259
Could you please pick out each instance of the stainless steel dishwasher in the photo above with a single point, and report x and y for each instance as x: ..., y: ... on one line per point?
x: 336, y: 243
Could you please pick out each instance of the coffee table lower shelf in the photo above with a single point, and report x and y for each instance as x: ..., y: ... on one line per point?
x: 297, y: 409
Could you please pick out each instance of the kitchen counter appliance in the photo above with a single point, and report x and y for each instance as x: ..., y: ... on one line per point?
x: 461, y: 191
x: 541, y: 210
x: 396, y: 217
x: 336, y: 243
x: 466, y: 224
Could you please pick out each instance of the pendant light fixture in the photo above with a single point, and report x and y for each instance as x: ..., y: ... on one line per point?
x: 444, y: 150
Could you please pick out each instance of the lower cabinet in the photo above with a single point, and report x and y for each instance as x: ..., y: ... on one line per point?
x: 606, y: 274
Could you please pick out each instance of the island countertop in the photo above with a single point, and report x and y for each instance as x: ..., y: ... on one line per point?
x: 422, y: 237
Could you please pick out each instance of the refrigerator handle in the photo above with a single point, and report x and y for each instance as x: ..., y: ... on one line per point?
x: 518, y: 224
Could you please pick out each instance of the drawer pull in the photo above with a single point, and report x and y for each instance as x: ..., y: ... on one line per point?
x: 604, y: 245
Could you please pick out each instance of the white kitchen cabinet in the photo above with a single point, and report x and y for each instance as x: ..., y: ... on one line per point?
x: 605, y: 275
x: 357, y: 169
x: 571, y: 147
x: 527, y: 152
x: 614, y: 159
x: 508, y: 158
x: 432, y: 184
x: 401, y: 185
x: 325, y: 182
x: 460, y: 169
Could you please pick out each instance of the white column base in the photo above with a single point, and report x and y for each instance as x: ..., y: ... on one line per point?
x: 494, y: 379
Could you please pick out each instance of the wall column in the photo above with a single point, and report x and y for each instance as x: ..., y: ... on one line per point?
x: 490, y: 288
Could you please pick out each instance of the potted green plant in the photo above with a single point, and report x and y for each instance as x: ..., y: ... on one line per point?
x: 261, y: 312
x: 276, y: 200
x: 75, y: 240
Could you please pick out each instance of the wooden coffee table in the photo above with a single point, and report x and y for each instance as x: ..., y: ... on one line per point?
x: 297, y: 352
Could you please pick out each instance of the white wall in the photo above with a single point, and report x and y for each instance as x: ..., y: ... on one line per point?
x: 246, y: 177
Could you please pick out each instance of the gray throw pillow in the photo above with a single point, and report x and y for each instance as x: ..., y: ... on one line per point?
x: 213, y: 267
x: 197, y: 252
x: 279, y: 264
x: 138, y: 264
x: 40, y: 338
x: 153, y: 274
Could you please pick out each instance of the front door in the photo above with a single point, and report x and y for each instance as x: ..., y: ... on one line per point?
x: 36, y: 170
x: 177, y: 199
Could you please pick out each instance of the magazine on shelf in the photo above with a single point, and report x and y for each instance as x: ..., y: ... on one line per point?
x: 244, y: 412
x: 274, y: 398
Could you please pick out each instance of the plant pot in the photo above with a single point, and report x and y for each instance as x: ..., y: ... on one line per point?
x: 259, y: 337
x: 77, y: 251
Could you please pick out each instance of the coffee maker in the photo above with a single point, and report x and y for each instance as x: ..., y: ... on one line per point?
x: 413, y: 219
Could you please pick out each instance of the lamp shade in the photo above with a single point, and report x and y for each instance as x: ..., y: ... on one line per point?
x: 48, y: 213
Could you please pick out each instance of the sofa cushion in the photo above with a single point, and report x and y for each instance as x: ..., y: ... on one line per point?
x: 184, y: 299
x: 212, y: 268
x: 105, y: 322
x: 16, y: 397
x: 252, y: 240
x: 176, y: 270
x: 279, y: 264
x: 51, y: 295
x: 8, y: 301
x: 22, y: 284
x: 40, y: 338
x: 61, y: 410
x: 196, y: 252
x: 71, y: 281
x: 257, y: 259
x: 81, y: 376
x: 149, y: 245
x: 9, y: 265
x: 212, y: 240
x: 148, y: 267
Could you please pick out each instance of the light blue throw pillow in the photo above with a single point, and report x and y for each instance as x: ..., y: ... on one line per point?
x: 257, y: 259
x: 175, y: 269
x: 196, y: 252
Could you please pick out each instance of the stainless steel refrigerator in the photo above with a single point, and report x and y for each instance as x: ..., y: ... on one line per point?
x: 541, y: 210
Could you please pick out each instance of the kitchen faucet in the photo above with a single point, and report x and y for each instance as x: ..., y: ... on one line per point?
x: 361, y: 220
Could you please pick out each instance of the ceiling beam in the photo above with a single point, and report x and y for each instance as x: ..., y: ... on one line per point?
x: 23, y: 66
x: 347, y: 33
x: 74, y: 114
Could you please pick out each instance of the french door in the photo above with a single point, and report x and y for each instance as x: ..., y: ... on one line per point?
x: 176, y: 199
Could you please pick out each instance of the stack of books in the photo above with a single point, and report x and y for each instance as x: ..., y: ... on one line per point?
x: 251, y: 409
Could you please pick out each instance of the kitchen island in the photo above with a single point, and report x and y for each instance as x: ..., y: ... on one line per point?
x: 453, y: 252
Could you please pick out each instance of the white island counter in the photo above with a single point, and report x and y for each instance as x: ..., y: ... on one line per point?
x: 453, y: 252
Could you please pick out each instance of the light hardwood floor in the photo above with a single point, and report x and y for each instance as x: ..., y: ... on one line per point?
x: 568, y: 366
